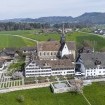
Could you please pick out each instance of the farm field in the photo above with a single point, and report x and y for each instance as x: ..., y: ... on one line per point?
x: 7, y: 41
x: 7, y: 38
x: 95, y: 93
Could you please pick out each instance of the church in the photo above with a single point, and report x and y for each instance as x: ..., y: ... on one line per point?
x: 53, y: 58
x: 53, y: 50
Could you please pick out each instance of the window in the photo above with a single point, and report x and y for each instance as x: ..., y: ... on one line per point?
x: 44, y: 53
x: 100, y: 68
x: 51, y: 53
x: 70, y: 71
x: 47, y: 53
x: 40, y: 54
x: 55, y: 53
x: 99, y: 71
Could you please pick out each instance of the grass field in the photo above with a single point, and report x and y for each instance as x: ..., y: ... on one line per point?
x: 94, y: 93
x: 8, y: 40
x: 42, y: 97
x: 12, y: 41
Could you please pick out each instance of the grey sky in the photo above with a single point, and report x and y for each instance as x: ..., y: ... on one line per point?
x: 41, y: 8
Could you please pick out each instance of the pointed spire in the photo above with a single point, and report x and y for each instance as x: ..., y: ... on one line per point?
x: 63, y: 30
x: 63, y: 35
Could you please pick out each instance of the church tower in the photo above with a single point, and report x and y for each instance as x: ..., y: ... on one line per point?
x: 63, y: 48
x: 62, y: 40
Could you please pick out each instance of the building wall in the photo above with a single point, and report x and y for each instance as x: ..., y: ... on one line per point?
x: 91, y: 72
x: 73, y: 52
x: 54, y: 54
x: 61, y: 71
x: 47, y: 54
x: 95, y: 72
x: 33, y: 70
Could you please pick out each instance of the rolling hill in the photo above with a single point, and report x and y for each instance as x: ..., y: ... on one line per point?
x: 93, y: 17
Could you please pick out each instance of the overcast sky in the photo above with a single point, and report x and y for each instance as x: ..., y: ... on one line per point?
x: 41, y: 8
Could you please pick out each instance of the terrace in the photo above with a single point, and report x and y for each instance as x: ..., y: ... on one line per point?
x: 60, y: 87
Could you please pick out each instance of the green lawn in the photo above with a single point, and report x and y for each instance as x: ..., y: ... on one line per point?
x: 95, y: 93
x: 8, y: 40
x: 43, y: 96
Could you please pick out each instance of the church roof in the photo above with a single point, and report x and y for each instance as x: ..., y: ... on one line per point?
x: 48, y: 46
x: 54, y: 46
x: 69, y: 57
x: 71, y: 45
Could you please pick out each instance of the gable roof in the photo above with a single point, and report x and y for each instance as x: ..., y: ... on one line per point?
x: 62, y: 63
x: 54, y: 46
x: 90, y: 59
x: 48, y: 46
x: 71, y: 45
x: 69, y: 57
x: 28, y: 49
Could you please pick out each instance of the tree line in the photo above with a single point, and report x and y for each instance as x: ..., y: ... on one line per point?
x: 9, y: 26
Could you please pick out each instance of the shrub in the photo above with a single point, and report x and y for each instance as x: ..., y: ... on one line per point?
x: 20, y: 98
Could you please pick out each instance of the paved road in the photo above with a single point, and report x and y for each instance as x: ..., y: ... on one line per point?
x: 86, y: 99
x: 24, y: 87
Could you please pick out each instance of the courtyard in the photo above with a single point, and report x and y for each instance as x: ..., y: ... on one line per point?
x: 35, y: 80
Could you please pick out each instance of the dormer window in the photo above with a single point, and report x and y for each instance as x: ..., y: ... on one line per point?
x: 97, y: 62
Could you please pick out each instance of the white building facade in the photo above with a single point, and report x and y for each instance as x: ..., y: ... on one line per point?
x: 91, y: 65
x: 40, y: 68
x: 34, y: 70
